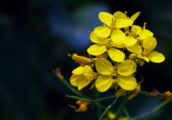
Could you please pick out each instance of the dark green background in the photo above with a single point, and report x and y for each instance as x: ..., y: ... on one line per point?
x: 37, y: 35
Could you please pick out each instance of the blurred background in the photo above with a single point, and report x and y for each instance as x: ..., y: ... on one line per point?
x: 37, y: 35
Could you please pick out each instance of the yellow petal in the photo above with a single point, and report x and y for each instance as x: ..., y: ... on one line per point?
x: 126, y: 68
x: 119, y: 15
x: 74, y: 79
x: 78, y: 71
x: 116, y: 55
x: 120, y: 92
x: 149, y: 44
x: 118, y: 37
x: 96, y: 39
x: 130, y: 41
x: 118, y: 46
x: 94, y: 59
x: 79, y: 80
x: 134, y: 17
x: 145, y: 33
x: 126, y: 82
x: 88, y: 72
x: 104, y: 67
x: 156, y: 57
x: 135, y: 29
x: 103, y: 83
x: 135, y: 48
x: 105, y: 18
x: 83, y: 82
x: 102, y: 31
x: 121, y: 23
x: 96, y: 49
x: 143, y: 57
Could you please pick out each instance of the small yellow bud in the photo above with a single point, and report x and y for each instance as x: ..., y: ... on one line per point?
x: 133, y: 56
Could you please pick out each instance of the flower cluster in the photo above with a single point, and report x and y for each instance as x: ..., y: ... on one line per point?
x: 119, y: 46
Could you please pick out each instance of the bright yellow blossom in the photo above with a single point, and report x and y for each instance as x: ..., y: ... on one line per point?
x: 122, y: 75
x: 103, y: 45
x: 149, y: 43
x: 115, y: 21
x: 120, y: 40
x: 82, y: 76
x: 139, y: 33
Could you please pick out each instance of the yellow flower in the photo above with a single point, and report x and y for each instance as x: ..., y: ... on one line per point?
x: 115, y: 21
x: 122, y: 75
x: 82, y: 106
x: 120, y: 40
x: 149, y: 43
x: 81, y: 59
x: 139, y: 33
x: 82, y: 76
x: 103, y: 45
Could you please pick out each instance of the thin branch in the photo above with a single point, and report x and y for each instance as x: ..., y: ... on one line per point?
x: 89, y: 100
x: 154, y: 110
x: 121, y: 107
x: 127, y: 114
x: 107, y: 109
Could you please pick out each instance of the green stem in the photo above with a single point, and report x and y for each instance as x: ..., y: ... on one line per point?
x: 97, y: 95
x: 77, y: 92
x: 121, y: 107
x: 70, y: 87
x: 79, y: 98
x: 89, y: 100
x: 107, y: 109
x: 161, y: 94
x: 100, y: 106
x: 127, y: 114
x: 154, y: 110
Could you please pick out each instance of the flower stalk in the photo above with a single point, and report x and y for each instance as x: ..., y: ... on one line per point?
x: 107, y: 109
x: 153, y: 111
x: 119, y: 47
x: 121, y: 107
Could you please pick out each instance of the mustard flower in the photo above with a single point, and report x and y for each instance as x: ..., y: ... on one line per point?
x: 103, y: 45
x: 120, y: 40
x: 149, y: 43
x: 122, y: 75
x: 115, y: 21
x: 139, y: 32
x: 82, y: 76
